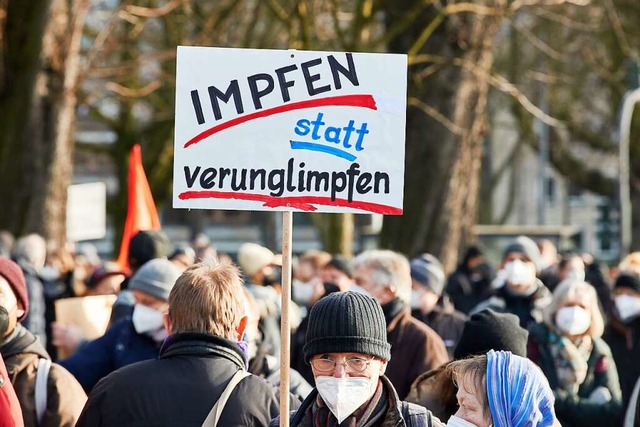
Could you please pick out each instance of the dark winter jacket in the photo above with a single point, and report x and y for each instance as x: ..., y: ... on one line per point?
x: 624, y: 341
x: 35, y: 320
x: 22, y: 352
x: 528, y: 308
x: 120, y: 346
x: 400, y: 414
x: 467, y: 288
x: 415, y: 349
x: 579, y: 411
x: 180, y: 388
x: 446, y: 322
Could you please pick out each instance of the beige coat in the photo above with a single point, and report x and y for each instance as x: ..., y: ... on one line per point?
x: 65, y: 396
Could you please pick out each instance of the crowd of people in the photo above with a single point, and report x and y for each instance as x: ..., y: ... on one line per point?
x: 192, y: 337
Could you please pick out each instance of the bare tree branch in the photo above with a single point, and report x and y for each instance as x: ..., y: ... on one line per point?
x: 453, y: 9
x: 133, y: 93
x: 278, y: 10
x: 424, y: 36
x: 495, y: 80
x: 564, y: 20
x: 519, y: 4
x: 148, y: 12
x: 616, y: 23
x: 436, y: 115
x: 536, y: 42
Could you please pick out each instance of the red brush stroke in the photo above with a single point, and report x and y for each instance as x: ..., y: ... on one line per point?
x: 364, y: 101
x: 305, y: 203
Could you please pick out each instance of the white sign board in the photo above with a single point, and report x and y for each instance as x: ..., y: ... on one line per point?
x: 289, y: 130
x: 86, y: 211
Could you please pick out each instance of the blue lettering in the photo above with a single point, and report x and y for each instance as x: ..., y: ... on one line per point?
x: 347, y: 130
x: 326, y: 138
x: 302, y: 127
x: 317, y: 123
x: 361, y: 133
x: 332, y: 134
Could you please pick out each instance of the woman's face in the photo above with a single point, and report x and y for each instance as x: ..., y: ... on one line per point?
x: 576, y: 302
x: 470, y: 406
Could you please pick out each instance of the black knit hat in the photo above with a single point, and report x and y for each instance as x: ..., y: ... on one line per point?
x: 490, y: 330
x: 147, y: 245
x: 347, y: 322
x: 628, y: 280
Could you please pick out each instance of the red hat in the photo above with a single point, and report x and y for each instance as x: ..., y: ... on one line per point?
x: 12, y: 273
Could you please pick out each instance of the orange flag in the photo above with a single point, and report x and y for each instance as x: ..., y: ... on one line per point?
x: 141, y: 210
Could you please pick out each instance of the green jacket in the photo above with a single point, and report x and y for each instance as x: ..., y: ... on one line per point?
x: 578, y: 410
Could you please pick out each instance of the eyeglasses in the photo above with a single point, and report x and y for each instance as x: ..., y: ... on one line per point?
x: 355, y: 364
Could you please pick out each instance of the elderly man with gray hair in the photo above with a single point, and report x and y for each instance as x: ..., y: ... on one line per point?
x: 30, y: 252
x: 415, y: 348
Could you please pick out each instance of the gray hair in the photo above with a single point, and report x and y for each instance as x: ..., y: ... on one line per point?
x: 388, y: 268
x: 571, y: 290
x: 32, y: 249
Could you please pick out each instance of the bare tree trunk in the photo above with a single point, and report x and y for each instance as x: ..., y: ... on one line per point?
x: 40, y: 74
x: 23, y: 27
x: 62, y: 75
x: 444, y: 152
x: 336, y: 232
x: 339, y: 239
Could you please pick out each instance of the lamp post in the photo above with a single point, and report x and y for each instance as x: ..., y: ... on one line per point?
x: 631, y: 98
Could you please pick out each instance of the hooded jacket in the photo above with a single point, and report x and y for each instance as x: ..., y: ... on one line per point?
x: 181, y: 387
x: 65, y: 398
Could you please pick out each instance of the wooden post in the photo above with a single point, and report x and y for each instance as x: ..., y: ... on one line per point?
x: 285, y: 328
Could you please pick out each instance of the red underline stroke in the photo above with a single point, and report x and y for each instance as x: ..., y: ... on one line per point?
x: 364, y: 101
x: 305, y: 203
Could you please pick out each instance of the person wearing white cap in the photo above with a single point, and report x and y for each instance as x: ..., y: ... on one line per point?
x: 258, y: 265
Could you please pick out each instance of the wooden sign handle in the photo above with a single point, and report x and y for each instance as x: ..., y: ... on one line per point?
x: 285, y: 327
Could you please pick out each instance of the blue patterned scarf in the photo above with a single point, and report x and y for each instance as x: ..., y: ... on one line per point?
x: 519, y: 394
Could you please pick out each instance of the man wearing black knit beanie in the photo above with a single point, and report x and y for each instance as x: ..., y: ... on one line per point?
x: 346, y: 345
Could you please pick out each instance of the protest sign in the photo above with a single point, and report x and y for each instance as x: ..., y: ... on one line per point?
x: 86, y: 211
x: 289, y: 130
x: 91, y: 314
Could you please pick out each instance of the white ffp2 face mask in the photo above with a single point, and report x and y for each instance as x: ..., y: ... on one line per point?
x: 344, y: 395
x: 519, y: 272
x: 628, y: 307
x: 459, y: 422
x: 416, y: 300
x: 146, y: 319
x: 303, y: 292
x: 573, y: 320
